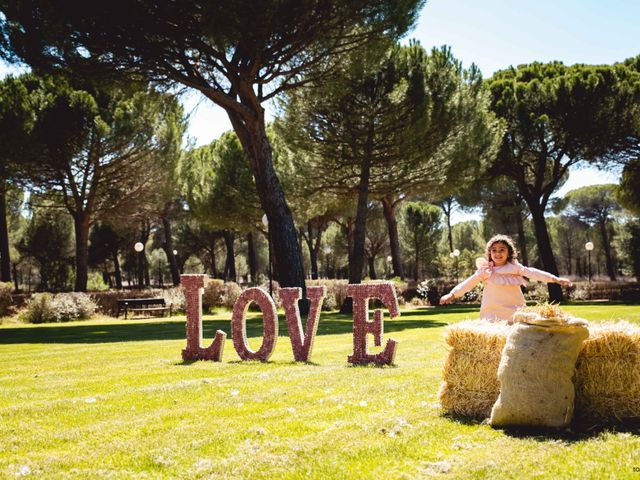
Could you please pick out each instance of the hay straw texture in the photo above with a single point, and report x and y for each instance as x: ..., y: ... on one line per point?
x: 470, y: 386
x: 607, y: 378
x: 608, y: 374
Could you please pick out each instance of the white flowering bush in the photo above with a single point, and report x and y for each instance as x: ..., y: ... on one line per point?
x: 174, y: 296
x: 230, y: 294
x: 63, y: 307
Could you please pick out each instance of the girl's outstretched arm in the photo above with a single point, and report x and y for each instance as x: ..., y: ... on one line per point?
x: 542, y: 276
x: 466, y: 285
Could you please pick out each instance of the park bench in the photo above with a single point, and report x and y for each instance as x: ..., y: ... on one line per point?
x: 143, y: 306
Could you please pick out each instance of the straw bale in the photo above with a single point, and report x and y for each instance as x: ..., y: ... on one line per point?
x: 607, y: 377
x: 470, y: 384
x: 608, y: 374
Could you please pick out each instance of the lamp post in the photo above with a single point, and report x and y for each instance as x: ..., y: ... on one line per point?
x: 588, y: 247
x: 389, y: 260
x: 455, y: 254
x: 139, y: 248
x: 265, y: 222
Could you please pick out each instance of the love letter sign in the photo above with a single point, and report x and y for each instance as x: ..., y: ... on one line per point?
x: 301, y: 341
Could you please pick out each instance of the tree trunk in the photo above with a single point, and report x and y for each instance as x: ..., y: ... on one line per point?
x: 544, y: 250
x: 230, y: 264
x: 288, y: 262
x: 251, y: 257
x: 116, y: 269
x: 372, y: 268
x: 313, y: 252
x: 5, y: 259
x: 15, y: 277
x: 359, y: 238
x: 611, y: 271
x: 356, y: 262
x: 389, y: 211
x: 168, y: 250
x: 212, y: 246
x: 81, y: 225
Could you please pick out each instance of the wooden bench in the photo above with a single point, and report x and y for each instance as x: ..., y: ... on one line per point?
x: 141, y: 306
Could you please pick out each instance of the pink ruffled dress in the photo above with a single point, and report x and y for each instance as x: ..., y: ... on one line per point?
x: 502, y: 294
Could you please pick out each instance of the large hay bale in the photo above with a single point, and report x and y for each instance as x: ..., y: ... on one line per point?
x: 470, y: 386
x: 536, y: 375
x: 608, y: 374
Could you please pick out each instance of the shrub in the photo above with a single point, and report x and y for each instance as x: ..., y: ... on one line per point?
x: 5, y: 298
x: 336, y: 289
x: 428, y: 290
x: 213, y: 293
x: 40, y: 309
x: 231, y: 293
x: 108, y: 301
x: 174, y: 296
x: 538, y: 293
x: 63, y: 307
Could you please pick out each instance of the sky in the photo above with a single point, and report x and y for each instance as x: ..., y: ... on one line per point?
x: 495, y: 34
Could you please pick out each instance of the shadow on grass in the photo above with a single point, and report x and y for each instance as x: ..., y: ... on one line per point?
x: 330, y: 324
x: 578, y: 431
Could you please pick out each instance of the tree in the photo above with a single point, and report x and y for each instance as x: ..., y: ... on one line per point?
x: 395, y: 123
x: 220, y: 191
x: 105, y: 245
x: 101, y: 151
x: 17, y: 114
x: 235, y: 58
x: 48, y: 242
x: 555, y: 117
x: 595, y: 205
x: 424, y: 229
x: 628, y: 192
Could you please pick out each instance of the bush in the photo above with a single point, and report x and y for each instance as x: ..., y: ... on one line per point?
x: 428, y: 290
x: 5, y: 298
x: 63, y: 307
x: 213, y: 293
x: 108, y: 301
x: 174, y: 296
x: 538, y: 293
x: 231, y: 293
x: 336, y: 292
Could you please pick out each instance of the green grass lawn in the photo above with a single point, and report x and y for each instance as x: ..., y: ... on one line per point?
x: 113, y: 399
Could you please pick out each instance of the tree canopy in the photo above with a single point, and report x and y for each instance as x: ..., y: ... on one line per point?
x: 555, y: 117
x: 237, y: 54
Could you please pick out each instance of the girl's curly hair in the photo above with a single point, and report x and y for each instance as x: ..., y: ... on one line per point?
x: 513, y: 253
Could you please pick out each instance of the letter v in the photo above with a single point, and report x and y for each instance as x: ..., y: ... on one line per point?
x: 302, y: 343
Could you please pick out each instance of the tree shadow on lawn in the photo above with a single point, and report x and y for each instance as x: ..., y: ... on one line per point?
x: 329, y: 324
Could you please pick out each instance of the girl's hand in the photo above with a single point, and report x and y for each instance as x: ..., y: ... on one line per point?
x: 448, y: 298
x: 564, y: 281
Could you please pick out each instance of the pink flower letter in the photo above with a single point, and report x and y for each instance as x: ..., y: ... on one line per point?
x: 361, y: 294
x: 193, y: 287
x: 302, y: 343
x: 239, y: 324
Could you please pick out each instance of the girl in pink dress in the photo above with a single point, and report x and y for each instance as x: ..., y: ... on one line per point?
x: 502, y: 276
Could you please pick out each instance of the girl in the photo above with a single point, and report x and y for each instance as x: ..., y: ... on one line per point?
x: 502, y: 276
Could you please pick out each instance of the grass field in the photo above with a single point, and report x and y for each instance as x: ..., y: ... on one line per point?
x: 112, y: 399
